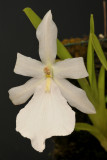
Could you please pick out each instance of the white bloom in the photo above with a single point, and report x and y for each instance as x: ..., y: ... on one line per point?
x: 48, y: 114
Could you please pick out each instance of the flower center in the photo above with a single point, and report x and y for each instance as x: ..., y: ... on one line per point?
x: 48, y: 74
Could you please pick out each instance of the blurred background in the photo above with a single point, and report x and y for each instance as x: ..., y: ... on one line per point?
x: 17, y: 34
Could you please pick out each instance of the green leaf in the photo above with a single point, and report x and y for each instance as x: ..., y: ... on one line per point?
x: 84, y: 127
x: 91, y: 24
x: 90, y: 60
x: 62, y: 52
x: 94, y: 131
x: 85, y: 86
x: 33, y: 17
x: 90, y: 63
x: 99, y: 50
x: 101, y: 86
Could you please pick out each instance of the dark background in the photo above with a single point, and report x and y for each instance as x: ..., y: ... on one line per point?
x: 18, y: 35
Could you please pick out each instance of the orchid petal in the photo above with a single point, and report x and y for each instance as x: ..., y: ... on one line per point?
x: 27, y: 66
x: 75, y: 96
x: 70, y: 68
x: 47, y: 37
x: 46, y: 115
x: 21, y: 94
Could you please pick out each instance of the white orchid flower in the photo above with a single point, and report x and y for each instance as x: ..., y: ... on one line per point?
x: 48, y: 114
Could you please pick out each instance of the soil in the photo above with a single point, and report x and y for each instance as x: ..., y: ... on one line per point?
x: 79, y: 146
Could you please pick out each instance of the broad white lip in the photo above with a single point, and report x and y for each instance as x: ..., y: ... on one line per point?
x: 46, y: 115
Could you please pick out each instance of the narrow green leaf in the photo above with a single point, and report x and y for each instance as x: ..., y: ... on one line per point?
x: 90, y: 51
x: 62, y: 52
x: 91, y: 24
x: 90, y: 60
x: 99, y: 51
x: 85, y: 86
x: 94, y: 131
x: 84, y: 127
x: 33, y: 17
x: 101, y: 86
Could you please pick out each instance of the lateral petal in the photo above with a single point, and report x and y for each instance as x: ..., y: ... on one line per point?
x: 70, y: 68
x: 46, y: 115
x: 21, y: 94
x: 27, y: 66
x: 47, y: 36
x: 75, y: 96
